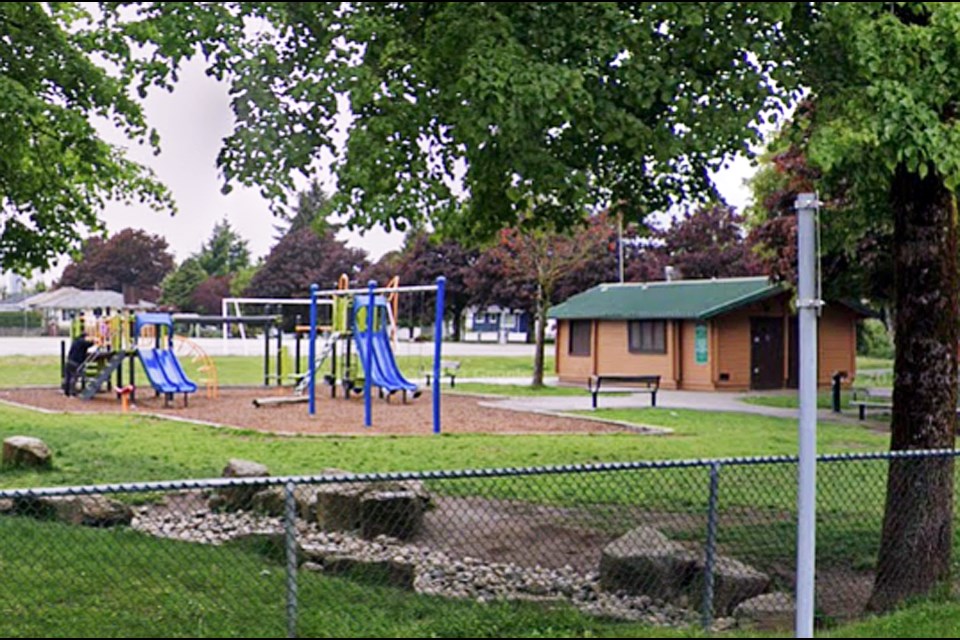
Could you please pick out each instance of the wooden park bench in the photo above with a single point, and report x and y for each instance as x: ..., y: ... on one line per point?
x: 448, y: 368
x: 874, y: 398
x: 645, y: 384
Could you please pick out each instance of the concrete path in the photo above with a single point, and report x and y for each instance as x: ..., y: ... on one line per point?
x: 696, y: 400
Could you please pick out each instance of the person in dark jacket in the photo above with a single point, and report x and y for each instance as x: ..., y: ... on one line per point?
x: 75, y: 358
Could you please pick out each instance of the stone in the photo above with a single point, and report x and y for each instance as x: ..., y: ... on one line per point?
x: 271, y: 501
x: 394, y: 573
x: 646, y: 562
x: 24, y: 451
x: 338, y: 506
x: 90, y: 511
x: 236, y: 498
x: 396, y: 514
x: 733, y: 583
x: 767, y: 612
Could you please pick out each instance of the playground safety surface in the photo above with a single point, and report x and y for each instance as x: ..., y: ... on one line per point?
x: 234, y: 408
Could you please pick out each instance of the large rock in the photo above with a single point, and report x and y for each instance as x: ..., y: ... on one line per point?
x: 397, y: 514
x: 236, y: 498
x: 24, y: 451
x: 393, y: 509
x: 646, y: 562
x: 90, y: 511
x: 768, y: 612
x: 733, y: 583
x: 392, y: 572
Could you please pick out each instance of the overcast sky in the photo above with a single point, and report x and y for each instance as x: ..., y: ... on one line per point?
x: 192, y: 122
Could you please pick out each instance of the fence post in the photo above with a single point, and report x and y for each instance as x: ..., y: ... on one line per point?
x: 710, y: 550
x: 290, y: 528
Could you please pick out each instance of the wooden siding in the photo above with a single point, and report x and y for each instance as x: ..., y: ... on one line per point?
x: 837, y: 345
x: 614, y: 357
x: 571, y: 369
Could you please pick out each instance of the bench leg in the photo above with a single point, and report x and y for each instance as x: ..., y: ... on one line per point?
x: 653, y: 399
x: 863, y: 412
x: 594, y: 394
x: 453, y: 382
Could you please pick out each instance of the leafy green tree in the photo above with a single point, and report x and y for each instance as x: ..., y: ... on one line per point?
x: 225, y: 253
x: 57, y: 172
x: 178, y: 287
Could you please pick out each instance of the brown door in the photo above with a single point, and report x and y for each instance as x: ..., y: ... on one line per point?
x: 766, y: 353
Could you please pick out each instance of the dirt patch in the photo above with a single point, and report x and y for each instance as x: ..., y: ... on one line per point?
x: 234, y: 407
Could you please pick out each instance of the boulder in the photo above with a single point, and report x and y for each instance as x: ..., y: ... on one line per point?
x: 236, y: 498
x: 394, y: 573
x: 90, y: 511
x: 767, y: 612
x: 397, y: 514
x: 393, y: 509
x: 338, y: 506
x: 271, y: 501
x: 24, y: 451
x: 646, y: 562
x: 733, y: 583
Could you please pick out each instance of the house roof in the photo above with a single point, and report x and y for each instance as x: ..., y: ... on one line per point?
x: 677, y: 300
x: 72, y: 298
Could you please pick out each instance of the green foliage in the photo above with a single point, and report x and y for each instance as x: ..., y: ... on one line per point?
x: 57, y: 171
x: 21, y: 320
x: 225, y: 253
x: 873, y: 340
x: 544, y: 107
x: 178, y: 287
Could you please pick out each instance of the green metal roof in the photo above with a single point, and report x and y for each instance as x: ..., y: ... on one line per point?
x: 677, y: 300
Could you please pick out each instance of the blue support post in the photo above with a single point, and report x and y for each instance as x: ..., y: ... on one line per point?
x: 312, y: 351
x: 368, y: 358
x: 437, y: 348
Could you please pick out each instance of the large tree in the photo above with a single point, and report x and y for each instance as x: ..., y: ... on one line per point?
x: 129, y: 258
x: 532, y: 269
x: 57, y: 171
x: 225, y: 253
x: 303, y: 258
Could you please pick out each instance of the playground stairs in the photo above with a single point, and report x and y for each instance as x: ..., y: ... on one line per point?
x: 106, y: 370
x: 325, y: 352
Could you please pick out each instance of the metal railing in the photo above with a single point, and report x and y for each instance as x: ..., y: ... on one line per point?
x: 476, y: 552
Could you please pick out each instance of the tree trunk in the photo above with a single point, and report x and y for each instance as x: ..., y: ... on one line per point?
x: 540, y: 324
x: 917, y: 527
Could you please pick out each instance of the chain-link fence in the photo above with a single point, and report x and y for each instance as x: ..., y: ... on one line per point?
x: 568, y: 550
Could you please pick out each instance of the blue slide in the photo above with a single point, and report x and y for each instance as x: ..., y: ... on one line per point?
x: 164, y: 371
x: 384, y: 370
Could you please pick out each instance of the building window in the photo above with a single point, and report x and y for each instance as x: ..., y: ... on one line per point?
x: 580, y: 337
x: 647, y: 336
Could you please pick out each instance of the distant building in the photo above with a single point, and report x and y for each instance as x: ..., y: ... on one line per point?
x: 493, y: 324
x: 61, y: 306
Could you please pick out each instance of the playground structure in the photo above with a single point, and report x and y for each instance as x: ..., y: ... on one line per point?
x: 366, y: 318
x: 148, y: 338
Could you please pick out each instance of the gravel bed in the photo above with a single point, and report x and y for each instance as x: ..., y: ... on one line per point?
x: 436, y: 572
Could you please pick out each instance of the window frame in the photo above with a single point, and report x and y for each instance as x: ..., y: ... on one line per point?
x: 650, y: 342
x: 579, y: 345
